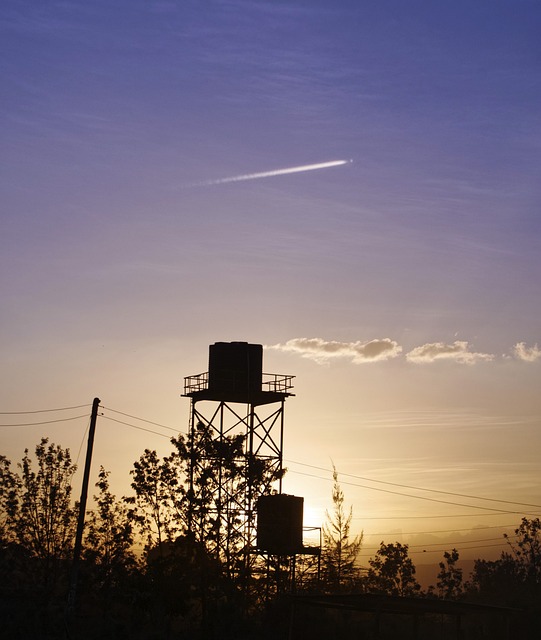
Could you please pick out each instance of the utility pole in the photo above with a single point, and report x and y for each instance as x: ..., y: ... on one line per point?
x: 82, y: 507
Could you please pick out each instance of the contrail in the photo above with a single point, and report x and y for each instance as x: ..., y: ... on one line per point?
x: 275, y: 172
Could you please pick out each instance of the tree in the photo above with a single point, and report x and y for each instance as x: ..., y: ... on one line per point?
x: 339, y: 552
x: 527, y: 551
x: 157, y: 494
x: 450, y: 576
x: 40, y: 511
x: 9, y: 484
x: 107, y: 551
x: 515, y: 578
x: 109, y: 539
x: 392, y: 571
x: 496, y: 582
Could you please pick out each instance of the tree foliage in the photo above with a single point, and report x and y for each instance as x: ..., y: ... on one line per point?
x: 450, y: 576
x: 158, y: 493
x: 9, y: 487
x: 526, y: 551
x: 392, y: 571
x: 340, y: 552
x: 109, y: 539
x: 40, y: 512
x: 515, y: 578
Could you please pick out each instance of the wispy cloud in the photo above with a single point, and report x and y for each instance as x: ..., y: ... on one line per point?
x: 458, y: 351
x: 528, y: 354
x: 323, y: 350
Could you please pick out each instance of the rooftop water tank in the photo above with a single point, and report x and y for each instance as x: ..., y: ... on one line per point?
x: 235, y: 368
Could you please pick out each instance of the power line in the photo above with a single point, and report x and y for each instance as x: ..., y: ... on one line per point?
x: 16, y: 413
x: 447, y: 544
x: 439, y: 544
x: 416, y: 533
x: 156, y: 424
x: 409, y: 495
x: 34, y: 424
x: 134, y: 427
x: 406, y: 486
x: 80, y: 449
x: 426, y: 551
x: 445, y: 515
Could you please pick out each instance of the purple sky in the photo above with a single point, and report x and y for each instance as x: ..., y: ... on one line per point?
x: 396, y: 287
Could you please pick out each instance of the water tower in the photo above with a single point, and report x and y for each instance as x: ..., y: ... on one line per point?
x: 234, y: 402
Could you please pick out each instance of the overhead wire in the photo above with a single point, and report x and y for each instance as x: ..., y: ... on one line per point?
x: 444, y: 548
x: 156, y: 424
x: 448, y: 544
x: 163, y: 435
x: 415, y: 533
x: 438, y: 516
x: 409, y: 495
x: 406, y: 486
x: 79, y: 452
x: 35, y: 424
x: 15, y: 413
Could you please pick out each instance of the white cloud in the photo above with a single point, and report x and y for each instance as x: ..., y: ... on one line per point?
x: 458, y: 351
x: 323, y: 350
x: 528, y: 354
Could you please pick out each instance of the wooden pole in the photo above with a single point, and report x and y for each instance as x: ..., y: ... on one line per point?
x: 82, y: 507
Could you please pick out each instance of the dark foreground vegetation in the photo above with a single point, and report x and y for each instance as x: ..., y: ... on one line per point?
x: 153, y: 565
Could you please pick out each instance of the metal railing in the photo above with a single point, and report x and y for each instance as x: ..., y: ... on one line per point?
x: 277, y: 382
x: 198, y: 382
x: 274, y: 382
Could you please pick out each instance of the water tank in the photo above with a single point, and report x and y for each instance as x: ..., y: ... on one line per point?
x: 235, y: 368
x: 279, y: 524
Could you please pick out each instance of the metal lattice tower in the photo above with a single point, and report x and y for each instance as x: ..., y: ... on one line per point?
x: 237, y: 413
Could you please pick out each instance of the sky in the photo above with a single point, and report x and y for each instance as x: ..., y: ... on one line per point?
x: 151, y: 206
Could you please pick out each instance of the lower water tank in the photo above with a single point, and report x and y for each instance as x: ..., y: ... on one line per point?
x: 279, y: 524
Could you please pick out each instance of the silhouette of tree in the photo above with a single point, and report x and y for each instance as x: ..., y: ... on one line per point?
x: 496, y: 582
x: 40, y: 511
x: 450, y: 576
x: 107, y: 551
x: 515, y: 578
x: 109, y: 539
x: 392, y: 571
x: 526, y: 551
x: 339, y: 555
x: 8, y: 501
x: 157, y: 493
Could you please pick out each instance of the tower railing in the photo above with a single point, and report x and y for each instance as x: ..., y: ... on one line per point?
x: 195, y: 383
x: 277, y: 382
x: 274, y: 382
